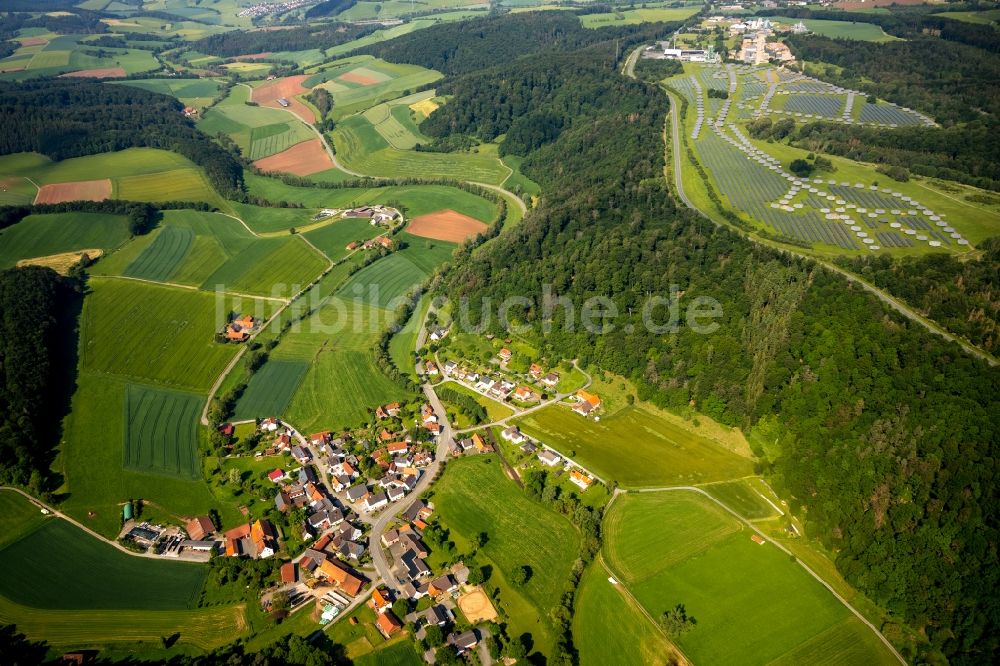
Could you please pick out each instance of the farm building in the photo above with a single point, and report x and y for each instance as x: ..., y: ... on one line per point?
x: 199, y: 527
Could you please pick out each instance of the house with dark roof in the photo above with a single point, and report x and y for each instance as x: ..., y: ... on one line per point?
x: 357, y: 493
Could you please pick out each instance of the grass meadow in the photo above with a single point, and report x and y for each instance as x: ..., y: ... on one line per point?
x: 44, y: 235
x: 745, y: 497
x: 271, y: 389
x: 19, y: 517
x: 207, y: 250
x: 636, y: 16
x: 60, y: 566
x: 16, y: 191
x: 162, y: 431
x: 863, y: 32
x: 332, y: 239
x: 474, y: 495
x: 152, y: 333
x: 635, y: 447
x: 412, y: 200
x: 362, y: 82
x: 751, y: 603
x: 267, y: 221
x: 96, y: 481
x: 385, y: 282
x: 608, y: 628
x: 202, y: 629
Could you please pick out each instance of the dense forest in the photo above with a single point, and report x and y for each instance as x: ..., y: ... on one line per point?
x: 469, y: 46
x: 63, y: 119
x: 961, y: 295
x: 37, y: 334
x: 879, y: 431
x: 300, y: 38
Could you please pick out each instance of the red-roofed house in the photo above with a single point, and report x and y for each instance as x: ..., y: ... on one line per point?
x: 276, y: 476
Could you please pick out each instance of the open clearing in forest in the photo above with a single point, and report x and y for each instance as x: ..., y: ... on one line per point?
x: 752, y: 603
x: 162, y: 431
x: 302, y: 159
x: 446, y: 225
x: 83, y: 190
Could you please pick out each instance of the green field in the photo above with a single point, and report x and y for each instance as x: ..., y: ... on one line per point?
x: 270, y: 389
x: 15, y: 191
x: 751, y: 603
x: 608, y: 628
x: 234, y: 117
x: 272, y: 139
x: 333, y: 238
x: 988, y: 17
x: 343, y: 383
x: 395, y: 121
x: 130, y: 162
x: 68, y: 53
x: 198, y: 93
x: 474, y: 496
x: 865, y: 32
x: 745, y: 497
x: 636, y: 16
x: 384, y: 283
x: 360, y: 147
x: 60, y: 566
x: 176, y: 185
x: 96, y: 482
x: 494, y: 410
x: 161, y: 434
x: 203, y: 629
x: 212, y: 251
x: 158, y: 334
x: 388, y: 81
x: 412, y: 200
x: 42, y: 235
x: 267, y: 221
x: 401, y: 653
x: 164, y: 254
x: 20, y: 517
x: 635, y: 447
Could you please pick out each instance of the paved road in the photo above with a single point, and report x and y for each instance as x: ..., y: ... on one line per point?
x: 886, y: 298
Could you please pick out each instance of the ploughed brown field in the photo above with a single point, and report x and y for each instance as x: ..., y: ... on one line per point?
x: 354, y: 77
x: 302, y: 159
x: 446, y: 225
x: 100, y: 73
x: 33, y: 41
x: 288, y: 87
x: 80, y: 190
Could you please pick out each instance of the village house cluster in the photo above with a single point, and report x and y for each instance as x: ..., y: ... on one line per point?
x: 379, y: 215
